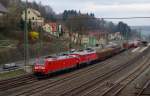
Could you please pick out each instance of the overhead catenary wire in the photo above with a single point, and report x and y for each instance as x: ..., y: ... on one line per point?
x: 124, y: 17
x: 144, y: 17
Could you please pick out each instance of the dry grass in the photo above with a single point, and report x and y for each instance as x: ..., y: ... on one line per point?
x: 11, y: 74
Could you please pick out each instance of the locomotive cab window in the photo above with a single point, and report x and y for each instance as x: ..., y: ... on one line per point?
x: 41, y: 61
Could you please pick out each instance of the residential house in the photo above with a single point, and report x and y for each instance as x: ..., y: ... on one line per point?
x: 115, y: 36
x: 101, y: 37
x: 34, y: 17
x: 50, y: 27
x: 53, y: 28
x: 3, y: 12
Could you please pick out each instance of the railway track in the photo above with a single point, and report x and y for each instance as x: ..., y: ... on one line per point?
x: 125, y: 81
x: 27, y: 79
x: 16, y: 82
x: 83, y: 86
x: 145, y: 91
x: 114, y: 88
x: 13, y: 79
x: 70, y: 77
x: 48, y: 83
x: 101, y: 79
x: 86, y: 83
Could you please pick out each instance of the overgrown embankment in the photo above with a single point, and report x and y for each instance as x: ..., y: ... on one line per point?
x: 16, y: 53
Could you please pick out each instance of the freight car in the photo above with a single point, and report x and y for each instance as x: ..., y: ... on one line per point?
x: 128, y: 45
x: 132, y: 44
x: 50, y: 64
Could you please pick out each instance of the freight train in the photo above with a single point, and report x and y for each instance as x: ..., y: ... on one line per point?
x: 55, y: 63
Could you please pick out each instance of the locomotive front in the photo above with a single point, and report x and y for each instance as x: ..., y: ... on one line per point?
x: 39, y: 66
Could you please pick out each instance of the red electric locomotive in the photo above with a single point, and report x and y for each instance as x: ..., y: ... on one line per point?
x: 85, y: 56
x: 52, y: 64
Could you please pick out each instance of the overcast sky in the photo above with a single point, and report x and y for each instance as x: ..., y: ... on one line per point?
x: 105, y: 8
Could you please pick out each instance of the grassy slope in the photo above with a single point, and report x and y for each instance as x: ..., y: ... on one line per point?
x: 11, y: 74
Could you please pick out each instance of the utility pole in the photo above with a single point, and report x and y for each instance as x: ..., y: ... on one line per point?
x: 70, y: 37
x: 26, y: 46
x: 40, y: 40
x: 107, y: 38
x: 126, y: 35
x: 140, y: 36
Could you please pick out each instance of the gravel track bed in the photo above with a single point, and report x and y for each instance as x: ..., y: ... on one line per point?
x: 78, y: 81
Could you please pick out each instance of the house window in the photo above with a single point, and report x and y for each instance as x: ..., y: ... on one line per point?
x: 28, y: 12
x: 32, y: 18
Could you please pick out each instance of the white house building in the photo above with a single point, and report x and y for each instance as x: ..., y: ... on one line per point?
x: 34, y: 16
x: 3, y: 10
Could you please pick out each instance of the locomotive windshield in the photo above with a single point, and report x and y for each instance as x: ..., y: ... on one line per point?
x: 41, y: 61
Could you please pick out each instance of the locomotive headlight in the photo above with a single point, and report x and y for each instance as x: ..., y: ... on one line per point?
x: 42, y: 67
x: 36, y: 67
x: 39, y: 67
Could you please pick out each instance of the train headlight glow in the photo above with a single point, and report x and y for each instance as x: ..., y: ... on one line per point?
x: 36, y: 67
x: 39, y: 67
x: 42, y: 67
